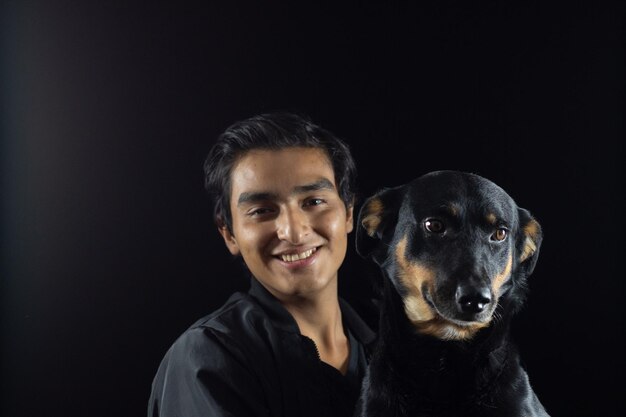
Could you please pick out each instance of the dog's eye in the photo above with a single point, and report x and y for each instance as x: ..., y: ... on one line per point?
x: 499, y: 234
x: 434, y: 226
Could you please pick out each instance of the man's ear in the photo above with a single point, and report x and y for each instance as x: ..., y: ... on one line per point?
x: 350, y: 218
x: 229, y: 239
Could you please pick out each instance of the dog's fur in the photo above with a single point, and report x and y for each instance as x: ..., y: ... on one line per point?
x: 455, y: 251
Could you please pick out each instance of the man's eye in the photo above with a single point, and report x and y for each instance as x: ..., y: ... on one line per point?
x: 434, y: 226
x: 314, y: 202
x: 259, y: 211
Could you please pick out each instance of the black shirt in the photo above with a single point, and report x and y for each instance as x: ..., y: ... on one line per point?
x: 249, y: 359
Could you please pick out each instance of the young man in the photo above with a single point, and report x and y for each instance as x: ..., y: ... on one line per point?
x: 283, y: 190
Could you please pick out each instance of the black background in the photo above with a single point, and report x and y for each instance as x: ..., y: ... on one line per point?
x: 108, y: 110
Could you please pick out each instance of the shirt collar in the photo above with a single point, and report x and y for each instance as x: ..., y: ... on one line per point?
x: 285, y: 321
x: 272, y: 307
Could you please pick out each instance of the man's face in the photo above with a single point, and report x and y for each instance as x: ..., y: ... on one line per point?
x: 288, y: 222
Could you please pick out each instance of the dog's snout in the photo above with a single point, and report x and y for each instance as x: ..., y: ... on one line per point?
x: 472, y: 299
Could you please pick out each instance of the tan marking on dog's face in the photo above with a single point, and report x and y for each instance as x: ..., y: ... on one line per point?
x: 531, y: 230
x: 413, y: 277
x: 501, y: 278
x: 445, y: 330
x: 491, y: 218
x: 453, y: 209
x: 373, y: 217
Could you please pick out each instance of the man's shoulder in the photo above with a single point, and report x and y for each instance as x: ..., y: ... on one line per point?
x: 236, y: 317
x: 236, y: 306
x: 231, y: 331
x: 222, y: 349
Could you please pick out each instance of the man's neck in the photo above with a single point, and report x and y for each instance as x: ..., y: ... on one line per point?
x: 320, y: 320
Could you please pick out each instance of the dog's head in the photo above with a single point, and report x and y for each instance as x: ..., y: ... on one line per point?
x: 454, y: 246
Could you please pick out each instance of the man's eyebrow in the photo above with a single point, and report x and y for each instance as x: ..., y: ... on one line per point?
x: 253, y: 196
x: 321, y: 184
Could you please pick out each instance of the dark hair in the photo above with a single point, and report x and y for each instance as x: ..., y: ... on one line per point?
x: 273, y: 131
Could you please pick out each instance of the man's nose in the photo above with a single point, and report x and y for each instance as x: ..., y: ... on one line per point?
x: 292, y: 226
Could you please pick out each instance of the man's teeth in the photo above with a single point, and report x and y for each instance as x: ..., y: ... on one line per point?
x: 297, y: 256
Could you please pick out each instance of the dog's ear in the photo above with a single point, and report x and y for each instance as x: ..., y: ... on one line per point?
x: 376, y: 219
x: 528, y: 241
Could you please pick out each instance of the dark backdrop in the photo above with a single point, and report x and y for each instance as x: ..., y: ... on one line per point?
x: 108, y: 110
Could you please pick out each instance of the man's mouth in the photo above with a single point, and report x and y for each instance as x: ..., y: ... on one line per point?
x: 292, y: 257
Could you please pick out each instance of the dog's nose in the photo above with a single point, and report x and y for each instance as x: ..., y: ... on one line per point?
x: 472, y: 299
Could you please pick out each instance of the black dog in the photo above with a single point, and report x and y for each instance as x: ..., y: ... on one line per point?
x: 455, y: 251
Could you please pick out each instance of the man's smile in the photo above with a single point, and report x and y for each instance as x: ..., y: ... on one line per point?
x: 286, y: 257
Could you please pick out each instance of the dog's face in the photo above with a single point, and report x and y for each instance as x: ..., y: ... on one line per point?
x: 453, y: 244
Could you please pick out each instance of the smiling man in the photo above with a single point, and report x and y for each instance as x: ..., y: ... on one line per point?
x: 283, y: 190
